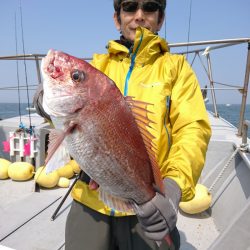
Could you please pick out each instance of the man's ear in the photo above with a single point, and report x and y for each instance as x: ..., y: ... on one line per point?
x: 117, y: 21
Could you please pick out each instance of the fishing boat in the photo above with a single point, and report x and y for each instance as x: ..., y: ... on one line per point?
x: 29, y: 215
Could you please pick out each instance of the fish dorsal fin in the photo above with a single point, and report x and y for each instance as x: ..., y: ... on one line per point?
x: 140, y: 113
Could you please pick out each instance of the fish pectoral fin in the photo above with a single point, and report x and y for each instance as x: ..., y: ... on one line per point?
x: 116, y: 203
x: 59, y: 158
x: 56, y: 146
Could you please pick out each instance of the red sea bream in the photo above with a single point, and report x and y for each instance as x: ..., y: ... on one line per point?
x: 105, y: 132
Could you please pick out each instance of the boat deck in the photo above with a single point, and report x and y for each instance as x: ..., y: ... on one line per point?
x: 25, y: 215
x: 25, y: 220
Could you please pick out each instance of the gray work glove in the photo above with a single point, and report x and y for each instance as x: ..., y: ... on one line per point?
x: 158, y: 216
x: 38, y: 103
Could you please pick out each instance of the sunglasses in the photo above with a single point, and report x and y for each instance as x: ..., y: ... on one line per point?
x: 132, y: 6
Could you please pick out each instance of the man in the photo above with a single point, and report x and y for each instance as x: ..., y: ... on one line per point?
x: 141, y: 66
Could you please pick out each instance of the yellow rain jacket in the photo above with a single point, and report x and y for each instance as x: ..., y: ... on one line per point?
x: 151, y: 74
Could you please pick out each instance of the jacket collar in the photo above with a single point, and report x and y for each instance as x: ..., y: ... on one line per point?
x: 150, y: 45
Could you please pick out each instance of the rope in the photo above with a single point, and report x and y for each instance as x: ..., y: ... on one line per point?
x: 195, y: 54
x: 224, y: 169
x: 165, y: 27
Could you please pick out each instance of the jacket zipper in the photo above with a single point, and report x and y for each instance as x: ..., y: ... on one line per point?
x: 131, y: 67
x: 166, y: 119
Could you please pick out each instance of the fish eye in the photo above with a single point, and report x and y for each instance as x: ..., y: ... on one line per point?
x: 77, y: 76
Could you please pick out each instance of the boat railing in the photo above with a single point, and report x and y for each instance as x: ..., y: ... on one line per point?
x: 214, y: 45
x: 208, y: 47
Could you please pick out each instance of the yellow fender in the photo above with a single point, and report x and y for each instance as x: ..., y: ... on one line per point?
x: 4, y: 165
x: 66, y: 171
x: 63, y: 182
x: 21, y: 171
x: 75, y: 166
x: 46, y: 180
x: 201, y: 201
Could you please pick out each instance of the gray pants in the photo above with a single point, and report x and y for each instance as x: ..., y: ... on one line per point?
x: 87, y: 229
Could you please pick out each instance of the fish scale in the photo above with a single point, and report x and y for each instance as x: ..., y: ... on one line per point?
x: 111, y: 158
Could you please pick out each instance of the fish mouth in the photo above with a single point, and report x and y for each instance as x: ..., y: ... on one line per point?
x: 53, y: 63
x: 53, y: 70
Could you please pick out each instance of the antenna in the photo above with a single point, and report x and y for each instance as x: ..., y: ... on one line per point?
x: 165, y: 26
x: 189, y: 24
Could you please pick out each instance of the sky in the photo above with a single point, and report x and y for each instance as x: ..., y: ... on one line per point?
x: 82, y: 28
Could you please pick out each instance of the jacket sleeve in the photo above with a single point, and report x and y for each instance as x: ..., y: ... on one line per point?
x: 190, y: 130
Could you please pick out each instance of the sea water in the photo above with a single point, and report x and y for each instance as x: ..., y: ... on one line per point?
x: 230, y: 112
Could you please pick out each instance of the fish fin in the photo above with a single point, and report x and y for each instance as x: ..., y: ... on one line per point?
x: 55, y: 140
x: 115, y: 202
x: 59, y: 158
x: 140, y: 113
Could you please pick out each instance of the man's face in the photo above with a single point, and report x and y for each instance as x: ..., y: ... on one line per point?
x: 130, y: 20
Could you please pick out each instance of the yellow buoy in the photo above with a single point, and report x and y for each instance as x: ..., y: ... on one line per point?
x: 4, y: 165
x: 21, y: 171
x: 46, y: 180
x: 63, y: 182
x: 66, y: 171
x: 75, y: 166
x: 199, y: 203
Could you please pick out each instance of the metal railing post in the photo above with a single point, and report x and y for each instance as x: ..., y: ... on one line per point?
x: 212, y: 84
x: 244, y: 94
x: 38, y: 70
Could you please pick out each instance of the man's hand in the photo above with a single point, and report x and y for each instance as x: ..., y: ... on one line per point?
x: 158, y: 216
x: 93, y: 185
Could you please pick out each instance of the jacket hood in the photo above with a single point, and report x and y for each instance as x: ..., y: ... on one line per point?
x: 146, y: 46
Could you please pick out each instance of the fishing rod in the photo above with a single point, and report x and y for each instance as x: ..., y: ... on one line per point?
x: 21, y: 133
x: 17, y: 72
x: 53, y: 217
x: 25, y: 67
